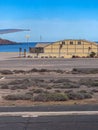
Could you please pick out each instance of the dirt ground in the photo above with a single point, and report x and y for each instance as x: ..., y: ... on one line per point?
x: 11, y: 61
x: 5, y: 79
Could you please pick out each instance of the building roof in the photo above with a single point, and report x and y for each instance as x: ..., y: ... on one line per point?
x: 75, y: 40
x: 42, y: 44
x: 83, y: 40
x: 45, y: 44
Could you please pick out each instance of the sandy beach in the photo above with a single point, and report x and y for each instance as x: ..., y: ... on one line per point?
x: 8, y: 55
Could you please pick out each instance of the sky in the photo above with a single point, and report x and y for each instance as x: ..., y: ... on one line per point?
x: 50, y: 20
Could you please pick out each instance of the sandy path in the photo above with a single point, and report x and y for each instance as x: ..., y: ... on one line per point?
x: 8, y: 55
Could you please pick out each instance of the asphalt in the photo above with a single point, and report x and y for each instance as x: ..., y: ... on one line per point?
x: 46, y: 108
x: 50, y: 123
x: 66, y: 64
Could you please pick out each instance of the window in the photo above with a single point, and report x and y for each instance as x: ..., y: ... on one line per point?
x: 63, y: 42
x: 39, y: 50
x: 79, y: 43
x: 71, y: 43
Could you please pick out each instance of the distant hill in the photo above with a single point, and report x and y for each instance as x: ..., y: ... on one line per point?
x: 5, y: 41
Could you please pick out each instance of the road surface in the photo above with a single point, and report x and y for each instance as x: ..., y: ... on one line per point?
x: 65, y: 64
x: 72, y: 122
x: 76, y: 117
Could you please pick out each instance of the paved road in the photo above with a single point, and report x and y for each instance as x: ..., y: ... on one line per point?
x: 51, y: 108
x: 17, y: 63
x: 50, y: 123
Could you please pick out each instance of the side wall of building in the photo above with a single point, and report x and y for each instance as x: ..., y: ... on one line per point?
x: 69, y: 48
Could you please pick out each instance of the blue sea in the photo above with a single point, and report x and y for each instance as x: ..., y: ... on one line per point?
x: 15, y: 47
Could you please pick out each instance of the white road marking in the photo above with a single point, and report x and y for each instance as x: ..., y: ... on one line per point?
x: 29, y: 116
x: 36, y: 114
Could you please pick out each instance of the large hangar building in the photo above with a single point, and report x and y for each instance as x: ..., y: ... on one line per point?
x: 65, y: 49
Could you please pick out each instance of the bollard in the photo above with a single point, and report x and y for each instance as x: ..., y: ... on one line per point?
x: 20, y: 52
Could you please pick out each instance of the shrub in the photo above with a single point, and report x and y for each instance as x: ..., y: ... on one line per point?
x: 29, y: 56
x: 38, y: 70
x: 14, y: 87
x: 39, y: 80
x: 19, y: 71
x: 18, y: 97
x: 30, y: 92
x: 79, y: 95
x: 75, y: 96
x: 15, y: 82
x: 74, y: 69
x: 38, y: 91
x: 82, y: 91
x: 51, y: 97
x: 42, y: 56
x: 86, y: 82
x: 68, y: 91
x: 33, y: 70
x: 59, y: 71
x: 48, y: 87
x: 85, y: 70
x: 92, y: 54
x: 43, y: 70
x: 71, y: 85
x: 20, y: 84
x: 89, y: 82
x: 4, y: 86
x: 65, y: 85
x: 57, y: 91
x: 87, y: 95
x: 6, y: 72
x: 61, y: 81
x: 95, y: 84
x: 73, y: 56
x: 42, y: 84
x: 95, y: 90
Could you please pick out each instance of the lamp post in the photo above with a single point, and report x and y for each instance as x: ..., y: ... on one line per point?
x: 27, y: 37
x: 40, y: 38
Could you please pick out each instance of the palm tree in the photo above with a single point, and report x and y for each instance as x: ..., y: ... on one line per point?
x: 92, y: 54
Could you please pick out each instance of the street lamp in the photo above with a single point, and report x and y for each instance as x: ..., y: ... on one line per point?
x: 40, y: 38
x: 27, y: 37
